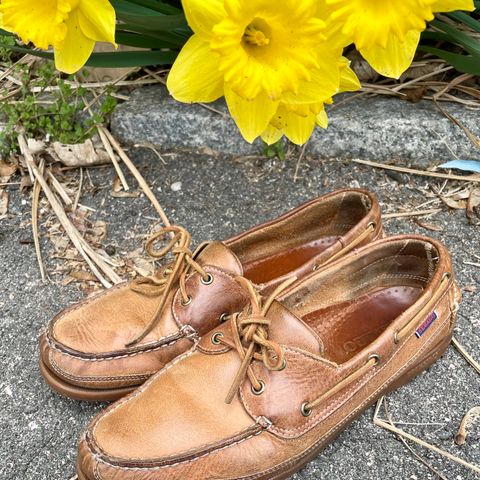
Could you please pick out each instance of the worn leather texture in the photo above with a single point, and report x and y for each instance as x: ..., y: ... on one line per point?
x: 395, y: 299
x: 86, y: 345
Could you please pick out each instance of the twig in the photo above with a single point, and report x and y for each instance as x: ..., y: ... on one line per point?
x: 91, y: 257
x: 473, y: 264
x: 466, y: 355
x: 79, y: 191
x: 299, y: 161
x: 408, y: 447
x: 413, y: 213
x: 138, y: 176
x: 383, y: 424
x: 60, y: 190
x: 113, y: 158
x: 424, y: 173
x: 35, y: 232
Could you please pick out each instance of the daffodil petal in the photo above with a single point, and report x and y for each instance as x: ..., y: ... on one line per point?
x: 76, y: 49
x: 393, y: 60
x: 202, y: 15
x: 322, y: 119
x: 349, y: 81
x: 251, y: 116
x: 97, y: 20
x: 195, y: 76
x: 298, y: 129
x: 452, y: 5
x: 271, y: 135
x: 41, y: 23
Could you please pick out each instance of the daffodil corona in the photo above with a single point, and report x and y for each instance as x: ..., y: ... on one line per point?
x: 71, y: 27
x: 264, y: 57
x: 387, y: 32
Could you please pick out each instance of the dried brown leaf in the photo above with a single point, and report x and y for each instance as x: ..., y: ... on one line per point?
x: 470, y: 288
x: 80, y: 155
x: 7, y: 170
x: 469, y: 419
x: 4, y: 196
x: 83, y: 276
x: 456, y: 204
x: 428, y: 226
x: 473, y: 202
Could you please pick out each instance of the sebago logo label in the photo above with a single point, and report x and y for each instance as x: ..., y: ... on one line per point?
x: 426, y: 324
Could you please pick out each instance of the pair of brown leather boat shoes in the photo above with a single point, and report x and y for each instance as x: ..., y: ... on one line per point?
x: 247, y: 356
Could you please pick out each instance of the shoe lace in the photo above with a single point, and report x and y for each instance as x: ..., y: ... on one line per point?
x: 250, y: 337
x: 175, y: 272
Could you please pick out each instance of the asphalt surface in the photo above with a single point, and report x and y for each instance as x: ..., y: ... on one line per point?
x: 216, y: 198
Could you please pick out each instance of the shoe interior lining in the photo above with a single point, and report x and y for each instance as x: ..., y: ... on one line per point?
x: 285, y: 245
x: 351, y: 306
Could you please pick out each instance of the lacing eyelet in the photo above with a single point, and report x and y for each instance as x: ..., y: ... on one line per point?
x: 315, y: 267
x: 167, y: 272
x: 373, y: 225
x: 306, y: 412
x: 186, y: 303
x: 215, y: 338
x: 208, y: 280
x: 447, y: 275
x: 260, y: 390
x: 376, y: 357
x: 284, y: 365
x: 223, y: 317
x: 396, y: 340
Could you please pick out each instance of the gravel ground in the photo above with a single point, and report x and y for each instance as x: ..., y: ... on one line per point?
x: 216, y: 198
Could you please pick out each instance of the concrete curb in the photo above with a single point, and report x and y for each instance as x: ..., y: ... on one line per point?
x: 365, y: 127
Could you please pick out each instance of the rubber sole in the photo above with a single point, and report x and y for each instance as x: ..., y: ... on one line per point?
x: 289, y: 470
x: 78, y: 393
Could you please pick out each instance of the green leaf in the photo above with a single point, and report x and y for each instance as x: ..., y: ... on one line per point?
x: 158, y: 41
x: 469, y: 43
x: 466, y: 19
x: 463, y: 63
x: 113, y: 59
x: 134, y: 6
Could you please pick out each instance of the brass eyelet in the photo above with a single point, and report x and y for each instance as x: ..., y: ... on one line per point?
x: 373, y: 225
x: 260, y: 390
x: 215, y: 338
x: 315, y: 266
x: 167, y: 272
x: 447, y: 275
x: 223, y: 317
x: 186, y: 303
x: 284, y: 365
x: 396, y: 340
x: 208, y: 280
x: 306, y: 412
x: 376, y: 357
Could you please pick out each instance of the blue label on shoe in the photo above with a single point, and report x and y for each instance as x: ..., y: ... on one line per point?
x: 426, y: 324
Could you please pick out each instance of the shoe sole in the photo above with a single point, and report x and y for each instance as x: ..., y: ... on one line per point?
x: 289, y: 470
x: 79, y: 393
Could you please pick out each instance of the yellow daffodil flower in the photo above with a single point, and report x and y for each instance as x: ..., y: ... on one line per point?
x: 297, y: 122
x: 387, y: 32
x: 71, y: 27
x: 261, y: 55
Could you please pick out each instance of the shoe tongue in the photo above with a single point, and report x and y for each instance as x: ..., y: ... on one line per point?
x: 287, y: 329
x: 218, y: 255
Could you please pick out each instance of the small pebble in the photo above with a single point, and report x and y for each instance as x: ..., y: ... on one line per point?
x: 110, y: 250
x: 176, y: 187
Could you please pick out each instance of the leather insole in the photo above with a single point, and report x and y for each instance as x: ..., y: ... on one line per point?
x: 346, y: 328
x: 273, y: 266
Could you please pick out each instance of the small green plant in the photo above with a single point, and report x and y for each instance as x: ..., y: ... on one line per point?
x: 48, y: 106
x: 6, y: 52
x: 276, y: 150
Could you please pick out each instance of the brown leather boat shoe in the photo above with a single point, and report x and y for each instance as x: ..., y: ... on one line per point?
x: 106, y: 345
x: 263, y: 393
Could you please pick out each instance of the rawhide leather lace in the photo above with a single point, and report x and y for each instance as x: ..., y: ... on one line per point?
x: 183, y: 264
x: 250, y: 337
